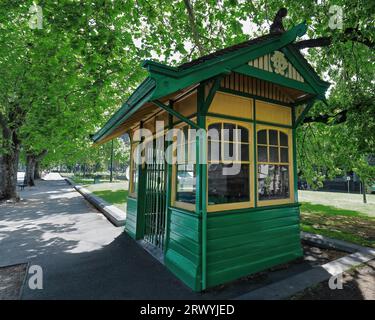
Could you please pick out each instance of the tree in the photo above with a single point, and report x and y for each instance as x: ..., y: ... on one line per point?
x: 60, y: 83
x: 54, y: 75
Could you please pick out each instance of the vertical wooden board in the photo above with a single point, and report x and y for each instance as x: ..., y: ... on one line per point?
x: 262, y: 238
x: 131, y: 217
x: 183, y: 254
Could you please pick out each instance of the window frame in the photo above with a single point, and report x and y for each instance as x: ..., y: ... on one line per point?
x: 250, y: 163
x: 174, y: 203
x: 132, y: 193
x: 289, y: 133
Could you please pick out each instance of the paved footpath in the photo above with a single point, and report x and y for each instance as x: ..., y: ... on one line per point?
x: 83, y: 256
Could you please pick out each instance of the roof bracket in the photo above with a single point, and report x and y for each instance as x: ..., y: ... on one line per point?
x: 304, y: 112
x: 211, y: 94
x: 175, y: 113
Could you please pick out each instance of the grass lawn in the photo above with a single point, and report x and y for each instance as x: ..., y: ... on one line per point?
x: 85, y: 180
x: 348, y: 225
x: 82, y: 181
x: 340, y: 200
x: 117, y: 198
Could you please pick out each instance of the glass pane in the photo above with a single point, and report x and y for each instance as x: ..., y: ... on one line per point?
x: 192, y: 152
x: 284, y: 155
x: 273, y: 182
x: 244, y: 134
x: 182, y: 153
x: 262, y: 137
x: 135, y: 184
x: 192, y: 135
x: 228, y: 152
x: 274, y: 154
x: 283, y: 139
x: 228, y: 188
x: 214, y: 148
x: 186, y: 183
x: 273, y: 136
x: 228, y: 131
x: 134, y: 178
x: 186, y: 133
x: 214, y: 131
x: 262, y: 154
x: 244, y: 156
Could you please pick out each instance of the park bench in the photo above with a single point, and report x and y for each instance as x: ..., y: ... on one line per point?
x: 22, y: 186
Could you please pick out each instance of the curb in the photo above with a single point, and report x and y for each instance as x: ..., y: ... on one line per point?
x: 113, y: 214
x: 331, y: 243
x: 24, y: 281
x: 286, y: 288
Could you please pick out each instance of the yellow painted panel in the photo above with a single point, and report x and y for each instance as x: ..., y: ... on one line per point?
x: 273, y: 113
x: 232, y: 105
x: 187, y: 106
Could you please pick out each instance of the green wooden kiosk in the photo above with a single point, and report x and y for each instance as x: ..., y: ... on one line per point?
x: 210, y: 228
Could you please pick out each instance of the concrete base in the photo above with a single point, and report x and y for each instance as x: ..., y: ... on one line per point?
x: 291, y: 286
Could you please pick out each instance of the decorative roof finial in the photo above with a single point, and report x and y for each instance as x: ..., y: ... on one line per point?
x: 277, y: 25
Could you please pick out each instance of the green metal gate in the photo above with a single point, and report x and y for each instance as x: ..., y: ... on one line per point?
x: 155, y: 197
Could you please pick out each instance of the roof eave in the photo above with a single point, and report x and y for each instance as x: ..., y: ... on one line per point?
x: 143, y: 90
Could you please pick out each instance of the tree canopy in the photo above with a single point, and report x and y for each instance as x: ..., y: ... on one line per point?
x: 61, y: 82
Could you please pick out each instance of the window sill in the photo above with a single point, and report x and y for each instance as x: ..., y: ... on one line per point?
x: 263, y: 203
x: 184, y: 206
x: 231, y: 206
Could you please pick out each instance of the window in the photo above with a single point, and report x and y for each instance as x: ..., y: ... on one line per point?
x: 133, y: 171
x: 185, y: 169
x: 228, y: 166
x: 273, y: 165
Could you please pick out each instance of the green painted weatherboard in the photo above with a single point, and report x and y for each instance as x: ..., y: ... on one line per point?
x: 131, y: 217
x: 242, y: 243
x: 183, y: 254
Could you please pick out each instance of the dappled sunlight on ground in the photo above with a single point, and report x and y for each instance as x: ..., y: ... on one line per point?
x: 51, y: 219
x: 65, y: 195
x: 358, y: 284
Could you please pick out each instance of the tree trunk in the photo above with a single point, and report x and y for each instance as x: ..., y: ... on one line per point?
x: 193, y: 26
x: 8, y: 170
x: 30, y: 170
x: 11, y: 145
x: 32, y: 161
x: 364, y: 191
x: 37, y: 174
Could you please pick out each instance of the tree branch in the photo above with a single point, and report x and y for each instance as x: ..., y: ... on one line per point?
x: 41, y: 155
x: 3, y: 122
x: 338, y: 118
x: 193, y: 26
x: 313, y: 43
x: 350, y: 34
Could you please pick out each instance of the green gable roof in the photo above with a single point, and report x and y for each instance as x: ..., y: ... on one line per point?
x: 164, y: 80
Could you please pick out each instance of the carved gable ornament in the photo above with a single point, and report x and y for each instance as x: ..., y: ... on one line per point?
x: 279, y: 62
x: 276, y: 62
